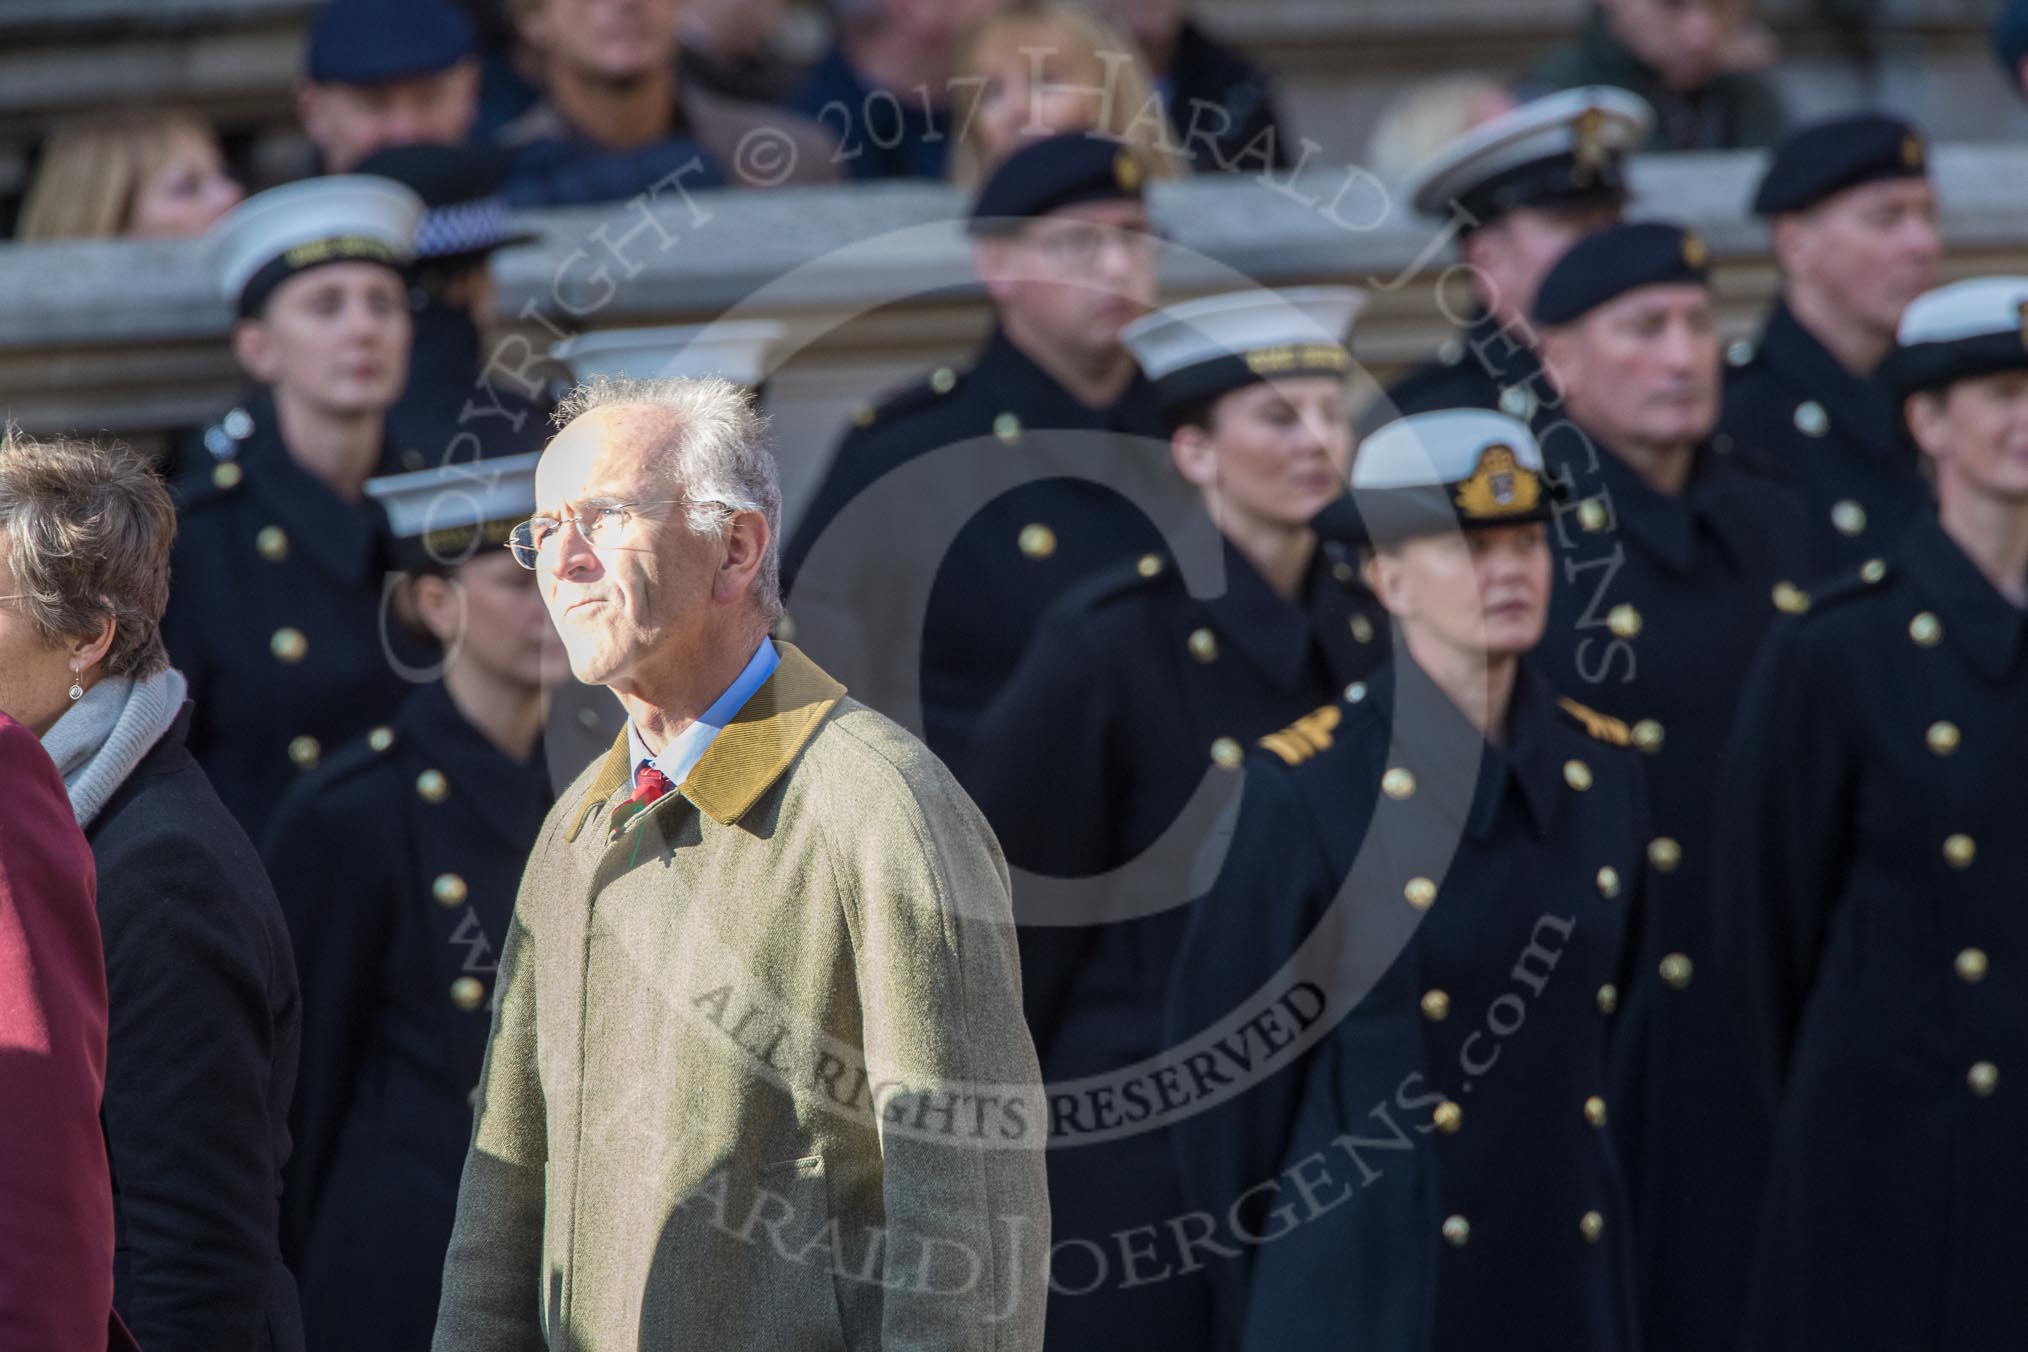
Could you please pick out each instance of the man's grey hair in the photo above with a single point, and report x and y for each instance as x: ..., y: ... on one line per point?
x: 89, y: 530
x: 715, y: 455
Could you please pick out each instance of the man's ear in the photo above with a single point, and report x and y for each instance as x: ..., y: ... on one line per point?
x: 746, y: 548
x: 1559, y: 353
x: 992, y: 259
x: 253, y: 347
x: 1788, y: 240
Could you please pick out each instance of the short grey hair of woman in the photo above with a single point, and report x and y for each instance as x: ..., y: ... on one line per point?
x: 88, y: 531
x: 716, y: 456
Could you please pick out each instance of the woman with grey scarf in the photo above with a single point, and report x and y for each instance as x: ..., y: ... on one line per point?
x: 201, y: 1055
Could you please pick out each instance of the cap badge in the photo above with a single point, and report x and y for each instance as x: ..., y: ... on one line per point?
x: 1127, y: 171
x: 1500, y: 486
x: 1695, y: 252
x: 1588, y: 145
x: 1911, y: 150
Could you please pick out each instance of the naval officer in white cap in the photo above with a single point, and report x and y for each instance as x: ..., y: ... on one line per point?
x: 275, y: 613
x: 1518, y: 189
x: 1157, y: 689
x: 1871, y: 864
x: 1449, y: 855
x: 397, y: 862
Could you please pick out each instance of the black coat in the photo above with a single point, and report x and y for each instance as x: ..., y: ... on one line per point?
x: 275, y: 616
x: 200, y: 1063
x: 1434, y: 1170
x: 1130, y: 694
x: 397, y: 863
x: 1658, y: 607
x: 1872, y: 866
x: 1222, y: 107
x: 952, y: 518
x: 1483, y: 365
x: 1836, y: 438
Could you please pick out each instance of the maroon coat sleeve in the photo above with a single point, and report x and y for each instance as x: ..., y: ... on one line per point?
x: 56, y: 1204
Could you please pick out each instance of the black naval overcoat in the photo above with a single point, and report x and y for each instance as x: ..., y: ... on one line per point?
x: 951, y: 520
x: 1872, y: 866
x: 275, y: 616
x: 397, y: 863
x: 1659, y: 605
x: 1436, y: 1171
x: 1133, y: 692
x: 1838, y: 439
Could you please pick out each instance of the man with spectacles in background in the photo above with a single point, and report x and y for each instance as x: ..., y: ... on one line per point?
x: 959, y: 508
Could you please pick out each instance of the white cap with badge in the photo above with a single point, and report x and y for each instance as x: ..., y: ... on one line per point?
x: 442, y: 517
x: 1565, y: 148
x: 1458, y: 468
x: 1204, y: 348
x: 342, y: 218
x: 735, y: 349
x: 1971, y: 328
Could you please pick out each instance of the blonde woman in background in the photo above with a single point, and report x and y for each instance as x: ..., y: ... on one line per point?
x: 1427, y: 116
x: 1040, y: 67
x: 141, y: 173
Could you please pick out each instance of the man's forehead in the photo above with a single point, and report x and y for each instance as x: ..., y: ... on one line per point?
x: 1661, y: 297
x: 608, y: 450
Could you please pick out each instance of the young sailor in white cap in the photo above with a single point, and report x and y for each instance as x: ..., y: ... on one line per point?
x: 1445, y: 863
x: 1519, y: 190
x: 397, y: 862
x: 275, y: 611
x: 1871, y: 862
x: 1159, y: 676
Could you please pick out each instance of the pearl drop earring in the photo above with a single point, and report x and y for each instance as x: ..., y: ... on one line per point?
x: 76, y: 686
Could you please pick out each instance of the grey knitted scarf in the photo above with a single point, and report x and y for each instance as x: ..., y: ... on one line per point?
x: 101, y: 738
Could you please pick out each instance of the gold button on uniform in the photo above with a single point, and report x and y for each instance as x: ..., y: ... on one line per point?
x: 448, y: 889
x: 1595, y: 1111
x: 1036, y: 540
x: 1624, y: 620
x: 943, y: 380
x: 1343, y: 571
x: 288, y: 645
x: 305, y: 751
x: 1925, y: 629
x: 381, y: 738
x: 1591, y: 1225
x: 1971, y: 966
x: 1456, y: 1231
x: 1355, y: 692
x: 1811, y: 420
x: 1608, y: 998
x: 1397, y: 783
x: 1676, y: 970
x: 1421, y: 893
x: 432, y: 785
x: 1448, y: 1117
x: 1150, y: 565
x: 1848, y: 517
x: 1609, y: 881
x: 1960, y: 850
x: 1577, y: 774
x: 1942, y: 737
x: 1872, y: 570
x: 1664, y: 854
x: 1648, y: 735
x: 1007, y: 427
x: 273, y: 543
x: 1591, y: 514
x: 1204, y: 645
x: 468, y: 992
x: 1436, y: 1005
x: 227, y: 475
x: 1790, y: 599
x: 1227, y: 754
x: 1983, y: 1077
x: 1362, y: 629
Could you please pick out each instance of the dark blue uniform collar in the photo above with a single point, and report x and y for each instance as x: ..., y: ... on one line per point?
x: 1666, y: 524
x: 1010, y: 379
x: 1982, y: 624
x: 342, y: 537
x: 1450, y: 757
x: 1860, y: 408
x: 509, y: 796
x: 1279, y: 636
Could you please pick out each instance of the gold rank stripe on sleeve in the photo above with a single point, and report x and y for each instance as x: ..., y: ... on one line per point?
x: 1306, y: 736
x: 1604, y: 727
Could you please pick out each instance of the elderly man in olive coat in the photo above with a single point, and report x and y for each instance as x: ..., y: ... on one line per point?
x: 758, y: 1075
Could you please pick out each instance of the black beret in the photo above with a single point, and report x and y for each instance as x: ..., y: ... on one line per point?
x: 1825, y: 159
x: 1607, y: 264
x: 1059, y: 171
x: 376, y: 42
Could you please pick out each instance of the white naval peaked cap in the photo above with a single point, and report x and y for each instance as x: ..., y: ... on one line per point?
x: 1451, y: 469
x: 734, y: 349
x: 1200, y: 349
x: 443, y: 515
x: 1577, y: 137
x: 1965, y: 329
x: 339, y: 218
